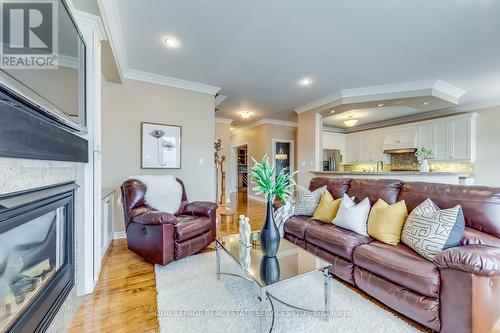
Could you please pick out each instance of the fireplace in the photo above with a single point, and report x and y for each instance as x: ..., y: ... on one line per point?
x: 36, y: 256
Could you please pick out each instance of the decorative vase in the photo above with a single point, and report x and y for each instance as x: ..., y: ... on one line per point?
x: 424, y: 166
x: 269, y: 234
x: 269, y: 270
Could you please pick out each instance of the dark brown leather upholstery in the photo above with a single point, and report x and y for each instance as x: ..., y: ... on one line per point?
x: 401, y: 265
x: 161, y: 237
x: 336, y: 186
x: 297, y: 225
x: 480, y: 204
x: 458, y: 292
x: 480, y: 260
x: 341, y: 268
x: 335, y: 240
x: 374, y: 189
x: 422, y: 309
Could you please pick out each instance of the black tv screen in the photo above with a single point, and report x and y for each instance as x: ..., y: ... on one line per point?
x: 57, y: 91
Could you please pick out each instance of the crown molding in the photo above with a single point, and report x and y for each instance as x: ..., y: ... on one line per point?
x: 219, y: 99
x: 223, y: 120
x: 168, y: 81
x: 113, y: 26
x: 437, y: 88
x: 91, y: 20
x: 264, y: 121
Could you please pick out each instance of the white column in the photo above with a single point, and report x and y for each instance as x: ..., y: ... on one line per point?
x: 89, y: 262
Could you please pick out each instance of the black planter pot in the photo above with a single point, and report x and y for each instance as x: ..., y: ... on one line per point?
x: 269, y: 270
x: 269, y: 234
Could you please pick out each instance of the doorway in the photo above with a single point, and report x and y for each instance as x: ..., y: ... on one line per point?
x: 242, y: 169
x: 283, y: 155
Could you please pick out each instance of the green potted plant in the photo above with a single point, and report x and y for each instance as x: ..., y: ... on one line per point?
x: 423, y: 155
x: 280, y: 186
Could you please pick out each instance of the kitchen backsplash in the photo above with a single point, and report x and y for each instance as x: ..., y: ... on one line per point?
x: 409, y: 162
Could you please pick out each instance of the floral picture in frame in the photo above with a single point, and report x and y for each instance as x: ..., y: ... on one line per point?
x: 161, y: 146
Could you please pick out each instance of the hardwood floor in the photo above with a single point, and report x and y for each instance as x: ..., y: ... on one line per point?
x: 126, y: 291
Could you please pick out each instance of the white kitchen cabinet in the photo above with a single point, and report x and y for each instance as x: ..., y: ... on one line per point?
x: 378, y: 147
x: 353, y: 148
x: 425, y: 136
x: 366, y: 147
x: 455, y: 139
x: 335, y: 141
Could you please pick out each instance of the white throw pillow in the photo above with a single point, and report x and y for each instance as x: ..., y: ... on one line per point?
x: 307, y: 201
x: 163, y: 192
x: 353, y: 217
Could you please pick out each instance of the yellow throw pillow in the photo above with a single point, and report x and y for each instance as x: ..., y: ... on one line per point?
x: 327, y: 208
x: 386, y: 221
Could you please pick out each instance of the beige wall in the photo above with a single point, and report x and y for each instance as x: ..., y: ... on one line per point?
x: 308, y: 146
x: 488, y: 143
x: 260, y: 141
x: 223, y: 132
x: 125, y: 106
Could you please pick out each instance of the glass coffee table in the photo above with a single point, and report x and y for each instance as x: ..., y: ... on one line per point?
x: 291, y: 262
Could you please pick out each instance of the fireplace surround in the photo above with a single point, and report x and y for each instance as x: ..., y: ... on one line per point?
x: 36, y: 256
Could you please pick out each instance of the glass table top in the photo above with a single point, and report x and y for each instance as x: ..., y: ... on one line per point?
x: 291, y: 260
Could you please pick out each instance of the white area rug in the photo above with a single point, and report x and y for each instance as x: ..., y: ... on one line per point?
x: 190, y: 299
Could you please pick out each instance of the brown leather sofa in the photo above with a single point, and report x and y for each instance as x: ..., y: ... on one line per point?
x: 458, y: 292
x: 161, y: 237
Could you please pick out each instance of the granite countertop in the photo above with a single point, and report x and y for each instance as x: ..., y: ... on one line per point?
x: 395, y: 173
x: 105, y: 191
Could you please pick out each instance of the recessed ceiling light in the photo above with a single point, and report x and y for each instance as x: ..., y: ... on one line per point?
x: 171, y: 42
x: 245, y: 114
x: 426, y: 103
x: 231, y: 128
x: 380, y: 105
x: 332, y: 111
x: 351, y: 122
x: 305, y: 81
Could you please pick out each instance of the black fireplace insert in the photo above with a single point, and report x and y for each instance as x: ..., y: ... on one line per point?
x: 36, y: 256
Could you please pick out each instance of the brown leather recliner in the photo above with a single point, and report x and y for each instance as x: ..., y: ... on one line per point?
x: 161, y: 237
x: 459, y: 291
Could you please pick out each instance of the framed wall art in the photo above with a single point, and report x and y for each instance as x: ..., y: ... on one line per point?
x: 161, y: 146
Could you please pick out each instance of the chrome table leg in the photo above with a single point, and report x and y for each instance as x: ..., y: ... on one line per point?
x: 327, y: 284
x: 217, y: 259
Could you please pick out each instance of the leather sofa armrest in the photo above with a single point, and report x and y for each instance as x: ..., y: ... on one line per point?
x: 154, y: 217
x: 481, y: 260
x: 200, y: 208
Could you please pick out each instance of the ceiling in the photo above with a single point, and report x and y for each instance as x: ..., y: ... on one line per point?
x: 257, y: 51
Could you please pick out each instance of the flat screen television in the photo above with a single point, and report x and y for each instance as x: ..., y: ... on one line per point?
x: 57, y: 93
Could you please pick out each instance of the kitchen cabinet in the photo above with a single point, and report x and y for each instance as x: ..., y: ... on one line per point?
x: 353, y: 148
x: 366, y: 147
x: 425, y: 136
x: 455, y: 139
x: 452, y: 139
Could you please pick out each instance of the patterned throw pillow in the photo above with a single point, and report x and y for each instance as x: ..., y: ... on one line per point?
x: 282, y: 214
x: 307, y: 201
x: 430, y: 230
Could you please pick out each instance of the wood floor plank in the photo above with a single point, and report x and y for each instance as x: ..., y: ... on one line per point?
x: 125, y: 295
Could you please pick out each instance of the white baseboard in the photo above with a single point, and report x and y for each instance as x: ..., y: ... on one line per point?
x: 119, y: 235
x: 256, y: 198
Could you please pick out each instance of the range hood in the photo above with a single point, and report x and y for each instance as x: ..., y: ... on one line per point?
x: 402, y: 141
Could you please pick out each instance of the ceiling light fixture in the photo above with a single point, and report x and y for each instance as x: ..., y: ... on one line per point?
x: 171, y: 42
x: 305, y: 81
x: 245, y: 114
x: 332, y: 111
x: 351, y: 122
x: 426, y: 103
x: 231, y: 128
x: 380, y: 105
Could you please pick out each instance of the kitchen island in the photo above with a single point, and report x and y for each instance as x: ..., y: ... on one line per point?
x: 443, y: 177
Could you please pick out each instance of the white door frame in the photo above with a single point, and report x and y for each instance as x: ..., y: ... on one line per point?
x: 292, y: 156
